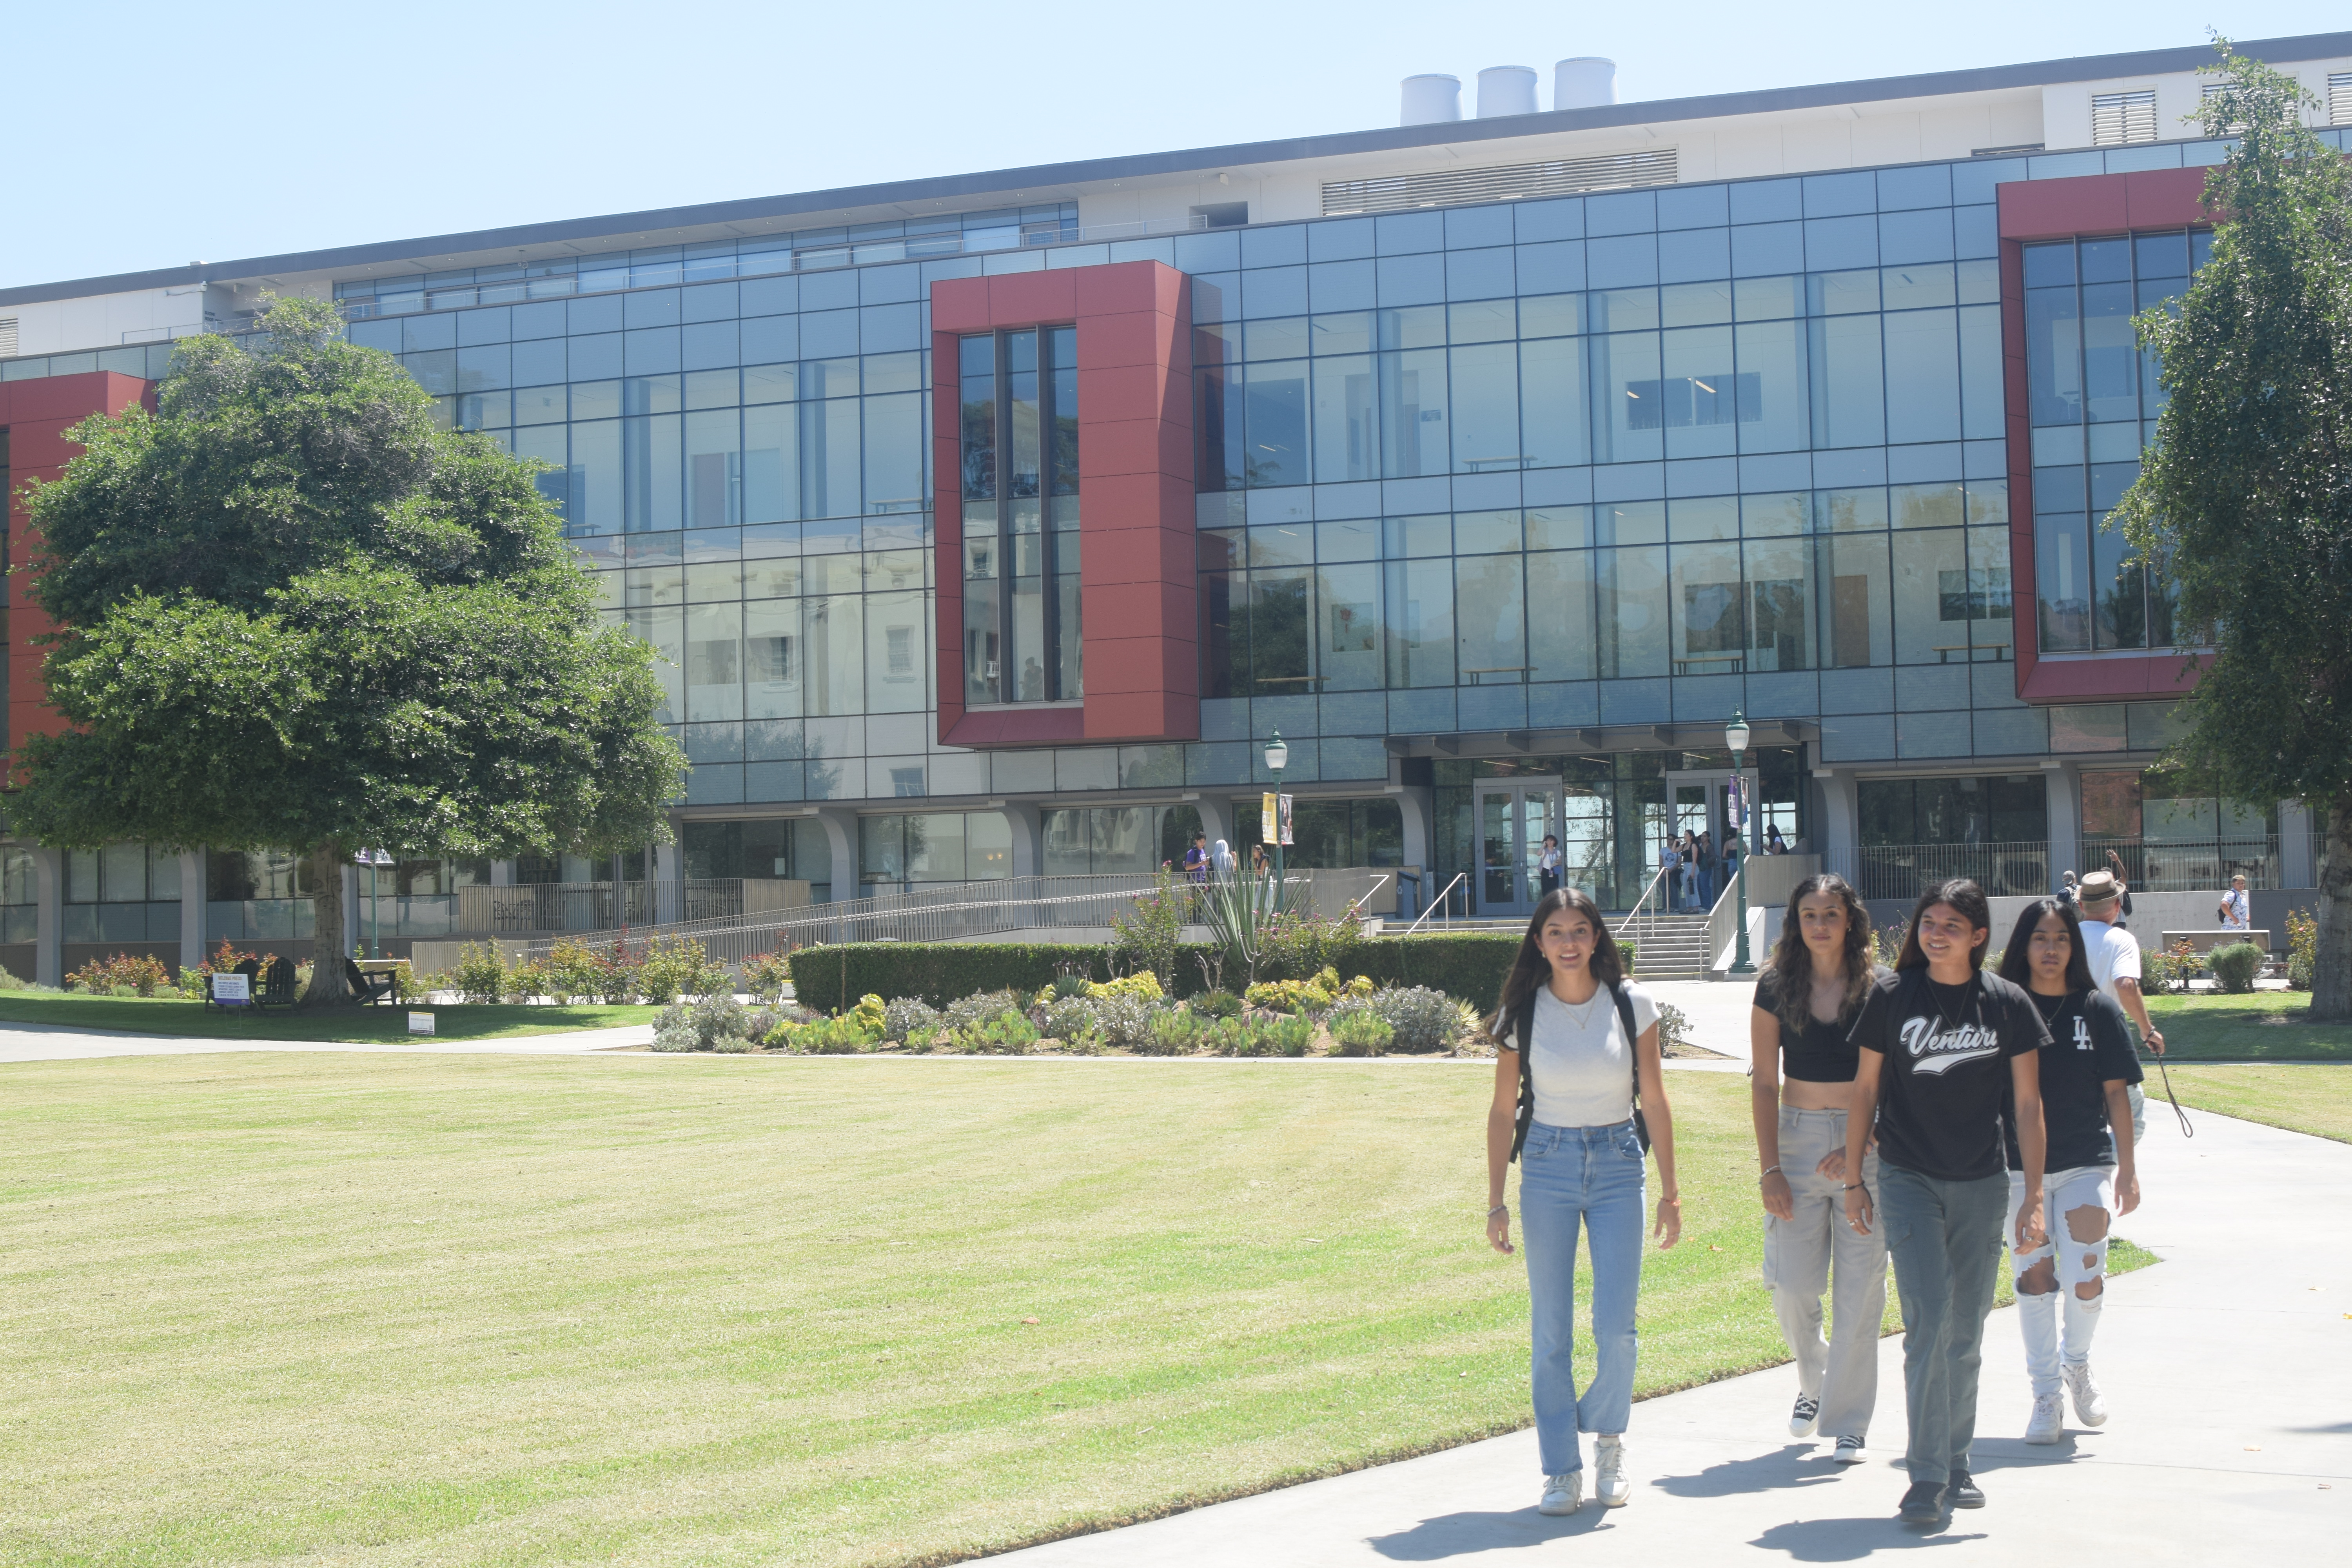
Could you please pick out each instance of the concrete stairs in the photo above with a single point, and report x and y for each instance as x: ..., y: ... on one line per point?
x: 1670, y: 947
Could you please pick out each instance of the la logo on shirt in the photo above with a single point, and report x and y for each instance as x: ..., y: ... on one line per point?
x: 2081, y: 1033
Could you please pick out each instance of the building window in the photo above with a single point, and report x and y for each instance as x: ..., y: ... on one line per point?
x: 2119, y: 118
x: 2093, y: 397
x: 1917, y: 833
x: 934, y: 846
x: 1019, y: 416
x: 2172, y: 840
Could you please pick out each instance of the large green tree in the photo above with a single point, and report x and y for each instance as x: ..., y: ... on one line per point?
x: 295, y: 613
x: 2245, y: 500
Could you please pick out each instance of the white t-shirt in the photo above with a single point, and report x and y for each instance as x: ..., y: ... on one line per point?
x: 1580, y: 1059
x: 2114, y: 955
x: 2234, y: 910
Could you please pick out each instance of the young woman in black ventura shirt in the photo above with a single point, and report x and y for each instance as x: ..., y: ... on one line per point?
x: 1942, y: 1046
x: 2087, y: 1070
x: 1818, y: 976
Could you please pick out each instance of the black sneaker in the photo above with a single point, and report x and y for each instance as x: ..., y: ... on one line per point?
x: 1962, y: 1492
x: 1923, y: 1504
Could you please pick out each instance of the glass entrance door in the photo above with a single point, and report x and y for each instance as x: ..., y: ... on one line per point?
x: 1696, y: 803
x: 1514, y: 817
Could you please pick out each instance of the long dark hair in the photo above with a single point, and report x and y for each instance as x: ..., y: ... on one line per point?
x: 1791, y: 963
x: 2017, y: 960
x: 1530, y: 970
x: 1968, y: 902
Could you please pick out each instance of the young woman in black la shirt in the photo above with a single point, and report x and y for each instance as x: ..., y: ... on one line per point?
x: 2087, y: 1071
x: 1942, y: 1046
x: 1813, y: 985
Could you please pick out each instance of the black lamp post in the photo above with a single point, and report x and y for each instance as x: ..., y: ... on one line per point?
x: 1277, y: 757
x: 1736, y: 735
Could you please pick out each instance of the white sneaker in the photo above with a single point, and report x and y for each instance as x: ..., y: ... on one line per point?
x: 2090, y: 1404
x: 1805, y: 1417
x: 1562, y: 1494
x: 1849, y: 1451
x: 2048, y: 1422
x: 1610, y: 1486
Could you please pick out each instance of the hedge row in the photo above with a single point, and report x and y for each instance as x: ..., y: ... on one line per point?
x: 1469, y: 966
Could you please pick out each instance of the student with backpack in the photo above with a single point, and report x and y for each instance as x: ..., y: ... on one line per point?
x: 1943, y: 1045
x: 1579, y: 1095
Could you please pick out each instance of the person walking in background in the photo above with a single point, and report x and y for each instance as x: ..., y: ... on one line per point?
x: 1773, y: 844
x: 1549, y: 864
x: 2087, y: 1070
x: 1196, y: 860
x: 2235, y: 915
x: 1670, y: 861
x: 1710, y: 869
x: 1220, y: 861
x: 1813, y: 988
x: 1578, y: 1091
x: 2113, y: 954
x: 1942, y: 1046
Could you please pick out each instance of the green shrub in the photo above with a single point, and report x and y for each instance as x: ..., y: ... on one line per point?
x: 767, y: 974
x: 1420, y: 1018
x: 1069, y: 1019
x: 1149, y: 930
x: 732, y: 1045
x: 481, y: 973
x: 824, y: 1037
x: 12, y: 981
x: 1170, y: 1033
x: 1217, y: 1005
x: 121, y: 976
x: 1009, y: 1033
x: 1124, y: 1021
x: 905, y: 1017
x: 2302, y: 949
x: 2236, y: 965
x: 1362, y: 1033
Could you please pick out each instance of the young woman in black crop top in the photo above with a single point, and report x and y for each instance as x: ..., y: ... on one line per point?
x: 1819, y: 973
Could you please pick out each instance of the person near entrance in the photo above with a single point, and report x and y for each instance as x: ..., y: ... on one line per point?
x: 1813, y: 988
x: 1941, y: 1043
x: 2087, y: 1071
x: 1578, y: 1092
x: 2113, y: 954
x: 1670, y: 862
x: 1710, y: 869
x: 1549, y: 865
x: 1196, y: 860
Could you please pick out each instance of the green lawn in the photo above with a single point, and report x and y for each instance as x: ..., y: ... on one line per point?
x: 435, y: 1309
x: 2314, y: 1098
x: 172, y: 1016
x: 2256, y: 1026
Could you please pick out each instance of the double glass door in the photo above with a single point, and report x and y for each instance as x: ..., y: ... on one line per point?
x: 1513, y: 816
x: 1701, y: 803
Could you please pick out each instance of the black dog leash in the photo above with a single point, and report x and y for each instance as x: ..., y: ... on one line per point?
x: 2185, y: 1131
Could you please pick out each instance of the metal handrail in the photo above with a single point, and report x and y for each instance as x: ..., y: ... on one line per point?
x: 1443, y: 894
x: 1377, y: 883
x: 1630, y: 915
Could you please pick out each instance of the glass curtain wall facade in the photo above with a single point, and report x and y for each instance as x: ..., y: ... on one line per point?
x: 1018, y: 455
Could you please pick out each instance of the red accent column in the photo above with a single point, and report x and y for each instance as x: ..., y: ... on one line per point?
x: 37, y: 415
x: 2067, y: 209
x: 1135, y: 500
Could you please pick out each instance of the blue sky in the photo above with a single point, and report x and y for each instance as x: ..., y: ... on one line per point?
x: 145, y: 135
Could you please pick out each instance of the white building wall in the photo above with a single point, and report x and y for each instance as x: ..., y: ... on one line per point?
x: 107, y: 321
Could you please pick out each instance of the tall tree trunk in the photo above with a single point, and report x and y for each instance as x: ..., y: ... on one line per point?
x: 2331, y: 972
x: 328, y: 948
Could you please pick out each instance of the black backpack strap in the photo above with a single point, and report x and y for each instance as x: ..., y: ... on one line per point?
x: 1633, y: 1054
x: 1521, y: 1025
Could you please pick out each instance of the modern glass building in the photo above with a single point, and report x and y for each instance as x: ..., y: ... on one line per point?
x: 990, y: 525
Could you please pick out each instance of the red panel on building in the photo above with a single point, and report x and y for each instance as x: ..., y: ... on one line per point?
x: 1135, y: 500
x: 2066, y: 209
x: 38, y: 413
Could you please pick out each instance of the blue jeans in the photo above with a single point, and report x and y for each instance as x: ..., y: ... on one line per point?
x: 1945, y: 1238
x: 1591, y: 1176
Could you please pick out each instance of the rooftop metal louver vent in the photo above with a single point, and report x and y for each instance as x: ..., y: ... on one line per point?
x: 1454, y: 187
x: 7, y: 337
x: 2339, y: 98
x: 2119, y: 118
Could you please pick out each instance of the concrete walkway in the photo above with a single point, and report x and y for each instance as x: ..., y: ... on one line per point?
x: 2228, y: 1368
x: 29, y: 1043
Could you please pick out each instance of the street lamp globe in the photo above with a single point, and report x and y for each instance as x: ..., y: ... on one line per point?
x: 1277, y: 753
x: 1736, y: 734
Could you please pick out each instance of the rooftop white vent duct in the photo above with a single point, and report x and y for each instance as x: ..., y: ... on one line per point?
x: 1431, y: 99
x: 1507, y: 89
x: 1587, y: 81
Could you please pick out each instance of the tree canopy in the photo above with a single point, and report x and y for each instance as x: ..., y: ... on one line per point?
x: 2244, y: 501
x: 294, y: 612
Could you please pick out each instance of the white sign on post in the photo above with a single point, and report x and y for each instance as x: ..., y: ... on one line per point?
x: 232, y: 991
x: 420, y: 1023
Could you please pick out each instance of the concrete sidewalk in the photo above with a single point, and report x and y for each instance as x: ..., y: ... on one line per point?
x: 2228, y: 1368
x: 28, y: 1043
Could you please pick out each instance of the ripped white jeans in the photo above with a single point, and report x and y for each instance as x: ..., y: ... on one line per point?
x: 2077, y: 1250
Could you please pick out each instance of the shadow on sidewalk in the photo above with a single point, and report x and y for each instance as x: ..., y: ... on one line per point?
x: 1792, y: 1465
x: 1850, y: 1539
x: 1456, y: 1534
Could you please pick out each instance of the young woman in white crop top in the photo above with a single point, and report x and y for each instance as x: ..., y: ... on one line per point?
x: 1564, y: 1105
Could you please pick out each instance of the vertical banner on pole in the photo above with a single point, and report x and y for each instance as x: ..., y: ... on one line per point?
x: 1283, y: 820
x: 1269, y: 829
